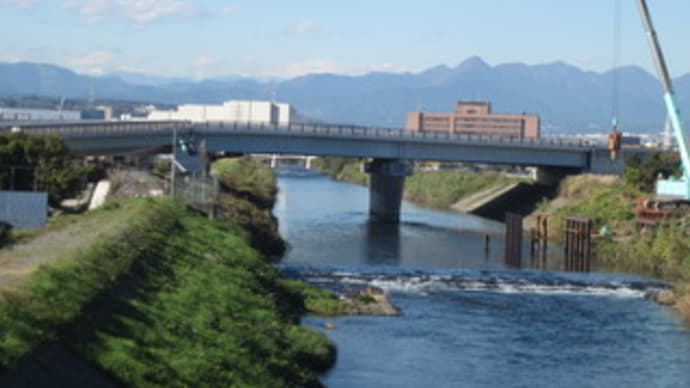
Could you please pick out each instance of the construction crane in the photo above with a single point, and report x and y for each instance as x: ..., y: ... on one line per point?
x: 676, y: 191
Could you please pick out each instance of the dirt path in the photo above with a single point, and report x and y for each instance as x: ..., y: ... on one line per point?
x: 59, y: 240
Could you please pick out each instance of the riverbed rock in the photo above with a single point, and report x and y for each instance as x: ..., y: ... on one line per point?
x: 665, y: 298
x: 371, y: 301
x: 683, y: 307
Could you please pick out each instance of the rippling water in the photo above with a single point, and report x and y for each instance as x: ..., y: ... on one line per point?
x: 469, y: 321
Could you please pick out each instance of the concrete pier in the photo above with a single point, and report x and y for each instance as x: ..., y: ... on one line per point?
x: 387, y: 181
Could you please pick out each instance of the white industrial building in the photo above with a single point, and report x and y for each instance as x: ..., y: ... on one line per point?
x: 254, y: 112
x: 25, y: 114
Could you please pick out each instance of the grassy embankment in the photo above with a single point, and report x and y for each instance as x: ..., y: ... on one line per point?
x: 342, y: 169
x: 248, y: 193
x: 168, y: 298
x: 436, y: 189
x: 663, y: 252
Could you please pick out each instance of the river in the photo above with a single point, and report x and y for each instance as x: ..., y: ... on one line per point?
x: 469, y: 320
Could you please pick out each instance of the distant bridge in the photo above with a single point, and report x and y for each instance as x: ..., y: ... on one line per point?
x: 389, y: 148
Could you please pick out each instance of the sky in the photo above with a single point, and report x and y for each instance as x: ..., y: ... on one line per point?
x: 282, y: 39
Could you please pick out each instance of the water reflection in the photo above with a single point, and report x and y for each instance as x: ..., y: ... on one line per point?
x: 382, y: 245
x: 326, y: 222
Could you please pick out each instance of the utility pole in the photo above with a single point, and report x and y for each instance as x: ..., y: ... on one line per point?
x: 173, y: 161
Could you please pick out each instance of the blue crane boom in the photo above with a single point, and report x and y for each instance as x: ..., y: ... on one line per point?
x: 668, y: 188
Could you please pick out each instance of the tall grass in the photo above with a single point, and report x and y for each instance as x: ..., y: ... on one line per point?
x: 441, y: 189
x: 436, y: 189
x: 248, y: 178
x: 177, y: 300
x: 663, y: 252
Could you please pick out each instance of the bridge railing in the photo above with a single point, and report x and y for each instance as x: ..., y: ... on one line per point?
x: 347, y: 131
x: 342, y: 131
x: 101, y: 127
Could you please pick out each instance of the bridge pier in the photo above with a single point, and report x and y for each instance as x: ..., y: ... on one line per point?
x: 552, y: 176
x: 386, y: 184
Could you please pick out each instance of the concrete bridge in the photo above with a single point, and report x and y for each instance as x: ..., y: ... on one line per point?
x: 392, y: 150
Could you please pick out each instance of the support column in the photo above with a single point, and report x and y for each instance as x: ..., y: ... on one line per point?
x: 551, y: 176
x: 386, y: 184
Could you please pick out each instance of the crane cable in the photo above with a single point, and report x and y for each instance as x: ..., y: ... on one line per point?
x: 615, y: 135
x: 615, y: 86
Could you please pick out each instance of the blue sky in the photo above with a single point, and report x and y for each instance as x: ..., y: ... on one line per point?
x: 211, y: 38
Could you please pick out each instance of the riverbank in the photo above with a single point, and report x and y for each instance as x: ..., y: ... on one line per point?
x: 173, y: 298
x: 436, y: 189
x: 248, y: 191
x: 145, y: 292
x: 662, y: 252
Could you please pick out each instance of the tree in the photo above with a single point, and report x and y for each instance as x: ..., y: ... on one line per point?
x: 643, y: 174
x: 42, y: 162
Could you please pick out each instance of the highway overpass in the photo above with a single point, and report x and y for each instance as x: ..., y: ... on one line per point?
x: 390, y: 149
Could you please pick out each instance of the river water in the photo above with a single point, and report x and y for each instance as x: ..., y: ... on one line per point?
x: 468, y: 319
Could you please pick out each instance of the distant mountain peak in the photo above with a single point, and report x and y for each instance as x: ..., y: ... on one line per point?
x: 473, y: 63
x: 566, y: 97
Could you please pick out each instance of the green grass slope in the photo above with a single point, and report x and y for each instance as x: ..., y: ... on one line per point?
x: 175, y: 300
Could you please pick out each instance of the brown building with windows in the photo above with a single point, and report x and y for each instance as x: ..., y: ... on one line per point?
x: 475, y: 117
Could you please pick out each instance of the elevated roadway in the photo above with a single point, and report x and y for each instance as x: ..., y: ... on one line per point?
x: 391, y: 150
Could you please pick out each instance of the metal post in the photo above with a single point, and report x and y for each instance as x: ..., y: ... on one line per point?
x: 513, y: 239
x: 173, y: 161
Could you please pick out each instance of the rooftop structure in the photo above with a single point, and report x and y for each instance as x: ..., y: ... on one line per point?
x: 253, y: 112
x: 26, y: 114
x: 475, y: 117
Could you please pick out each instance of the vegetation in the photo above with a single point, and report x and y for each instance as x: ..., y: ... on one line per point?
x: 247, y: 178
x: 176, y: 300
x: 642, y: 175
x: 248, y: 192
x: 260, y: 223
x: 662, y: 252
x: 342, y: 169
x: 608, y: 202
x: 436, y: 189
x: 28, y: 162
x: 316, y: 300
x: 441, y: 189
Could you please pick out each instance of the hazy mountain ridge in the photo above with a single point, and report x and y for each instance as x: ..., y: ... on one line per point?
x: 564, y: 95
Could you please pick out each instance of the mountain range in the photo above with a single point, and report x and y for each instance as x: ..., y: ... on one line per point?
x: 568, y: 99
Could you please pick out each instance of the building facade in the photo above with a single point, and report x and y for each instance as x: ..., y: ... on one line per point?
x: 253, y: 112
x: 25, y: 114
x: 475, y: 117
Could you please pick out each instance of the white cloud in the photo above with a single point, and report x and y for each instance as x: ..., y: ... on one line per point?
x: 139, y: 11
x: 311, y: 67
x: 323, y: 65
x: 96, y: 58
x: 203, y: 66
x: 305, y: 27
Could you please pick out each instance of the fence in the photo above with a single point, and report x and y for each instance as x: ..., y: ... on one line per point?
x: 24, y: 210
x: 21, y: 178
x: 198, y: 192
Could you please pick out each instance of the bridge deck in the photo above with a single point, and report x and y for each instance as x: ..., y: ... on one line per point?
x: 317, y: 139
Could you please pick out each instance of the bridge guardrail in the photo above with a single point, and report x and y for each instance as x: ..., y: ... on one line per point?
x: 370, y: 132
x: 128, y: 127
